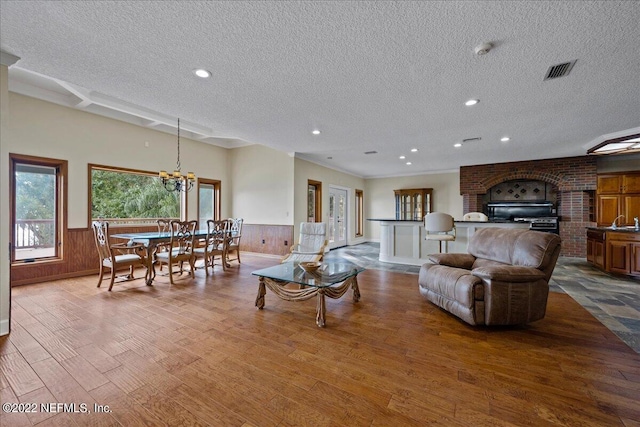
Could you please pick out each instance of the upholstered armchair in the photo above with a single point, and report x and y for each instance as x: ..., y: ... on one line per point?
x: 502, y: 280
x: 311, y: 243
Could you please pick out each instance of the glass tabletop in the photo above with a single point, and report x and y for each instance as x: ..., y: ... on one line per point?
x: 328, y: 274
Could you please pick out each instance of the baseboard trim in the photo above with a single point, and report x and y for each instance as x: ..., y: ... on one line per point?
x: 4, y: 327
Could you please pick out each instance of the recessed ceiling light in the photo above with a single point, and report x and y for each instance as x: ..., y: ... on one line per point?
x: 315, y: 132
x: 505, y: 139
x: 414, y: 150
x: 457, y: 144
x: 471, y: 102
x: 402, y: 157
x: 202, y: 73
x: 408, y: 163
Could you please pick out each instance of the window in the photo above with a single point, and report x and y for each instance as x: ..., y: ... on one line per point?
x: 314, y: 201
x: 125, y: 196
x: 38, y: 200
x: 208, y: 200
x: 359, y: 213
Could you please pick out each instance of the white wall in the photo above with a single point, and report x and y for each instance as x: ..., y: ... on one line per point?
x: 261, y: 185
x: 5, y: 288
x: 82, y: 138
x: 304, y: 171
x: 380, y: 200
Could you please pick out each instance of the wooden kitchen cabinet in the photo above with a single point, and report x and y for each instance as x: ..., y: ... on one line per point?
x: 596, y: 248
x: 623, y: 253
x: 609, y: 184
x: 413, y: 204
x: 631, y: 183
x: 618, y: 194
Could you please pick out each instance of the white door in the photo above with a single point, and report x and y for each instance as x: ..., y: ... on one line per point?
x: 337, y: 223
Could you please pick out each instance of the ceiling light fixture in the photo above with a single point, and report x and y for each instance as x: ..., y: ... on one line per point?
x: 409, y: 163
x: 625, y: 145
x: 202, y: 73
x: 177, y: 181
x: 414, y: 150
x: 471, y: 102
x: 315, y: 132
x: 402, y: 157
x: 505, y: 139
x: 458, y: 144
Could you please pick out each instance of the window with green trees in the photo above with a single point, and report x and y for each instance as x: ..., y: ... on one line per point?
x: 127, y: 196
x: 37, y: 206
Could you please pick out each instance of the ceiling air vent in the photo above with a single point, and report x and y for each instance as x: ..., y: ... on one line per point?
x: 559, y: 70
x: 471, y: 140
x: 370, y: 152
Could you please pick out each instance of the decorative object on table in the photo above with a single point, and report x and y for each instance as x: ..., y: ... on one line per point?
x: 311, y: 243
x: 310, y: 267
x: 177, y: 181
x: 502, y: 280
x: 117, y: 256
x: 440, y: 226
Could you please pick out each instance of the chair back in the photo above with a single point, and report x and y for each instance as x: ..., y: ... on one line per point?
x: 235, y: 230
x: 217, y: 232
x: 475, y: 216
x: 164, y: 225
x: 438, y: 222
x: 312, y: 236
x: 182, y: 237
x: 101, y: 235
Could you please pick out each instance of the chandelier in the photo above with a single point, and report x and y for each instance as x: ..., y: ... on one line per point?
x: 177, y: 181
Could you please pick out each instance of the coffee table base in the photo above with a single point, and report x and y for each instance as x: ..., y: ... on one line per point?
x: 306, y: 292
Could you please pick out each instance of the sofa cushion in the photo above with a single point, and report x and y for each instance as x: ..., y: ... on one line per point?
x: 509, y: 273
x: 514, y: 246
x: 453, y: 260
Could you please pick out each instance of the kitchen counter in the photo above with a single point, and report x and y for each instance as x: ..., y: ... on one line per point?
x: 627, y: 229
x: 403, y: 242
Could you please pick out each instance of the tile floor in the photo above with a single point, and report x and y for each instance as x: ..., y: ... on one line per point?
x: 614, y: 301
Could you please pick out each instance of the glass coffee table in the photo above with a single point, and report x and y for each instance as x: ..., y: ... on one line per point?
x: 332, y: 279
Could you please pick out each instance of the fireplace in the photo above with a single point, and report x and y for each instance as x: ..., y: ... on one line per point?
x: 569, y: 183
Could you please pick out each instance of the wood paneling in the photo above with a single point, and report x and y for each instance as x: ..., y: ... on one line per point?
x: 81, y: 258
x: 274, y: 237
x: 199, y: 353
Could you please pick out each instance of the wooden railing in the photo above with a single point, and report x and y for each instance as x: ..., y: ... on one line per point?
x: 132, y: 221
x: 34, y: 233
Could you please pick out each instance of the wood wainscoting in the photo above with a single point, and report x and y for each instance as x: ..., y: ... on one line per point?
x: 267, y: 239
x: 80, y: 257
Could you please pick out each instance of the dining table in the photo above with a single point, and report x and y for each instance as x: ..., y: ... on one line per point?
x: 151, y: 240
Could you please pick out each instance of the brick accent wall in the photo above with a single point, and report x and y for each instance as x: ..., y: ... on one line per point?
x: 575, y: 178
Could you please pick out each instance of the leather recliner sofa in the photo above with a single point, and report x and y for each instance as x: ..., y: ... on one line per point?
x: 503, y: 280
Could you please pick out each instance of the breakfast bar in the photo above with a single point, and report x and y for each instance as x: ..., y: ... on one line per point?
x: 403, y: 242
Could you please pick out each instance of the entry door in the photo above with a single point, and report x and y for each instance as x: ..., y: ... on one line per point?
x: 337, y: 217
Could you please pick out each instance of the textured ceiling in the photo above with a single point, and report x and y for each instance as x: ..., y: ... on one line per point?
x: 372, y: 76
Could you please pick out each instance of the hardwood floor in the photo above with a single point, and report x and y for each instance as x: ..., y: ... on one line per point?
x: 199, y: 353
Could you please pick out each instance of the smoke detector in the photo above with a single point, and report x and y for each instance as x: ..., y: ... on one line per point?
x: 483, y: 49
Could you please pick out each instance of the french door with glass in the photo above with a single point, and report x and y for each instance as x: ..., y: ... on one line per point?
x: 337, y: 221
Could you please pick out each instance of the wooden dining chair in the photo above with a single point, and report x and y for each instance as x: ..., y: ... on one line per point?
x: 234, y: 235
x: 163, y: 227
x: 215, y: 244
x: 116, y: 256
x: 181, y: 246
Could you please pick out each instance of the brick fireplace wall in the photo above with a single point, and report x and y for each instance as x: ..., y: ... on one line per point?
x: 575, y: 179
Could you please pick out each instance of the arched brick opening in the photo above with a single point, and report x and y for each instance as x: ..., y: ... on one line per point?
x: 556, y: 180
x: 574, y: 178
